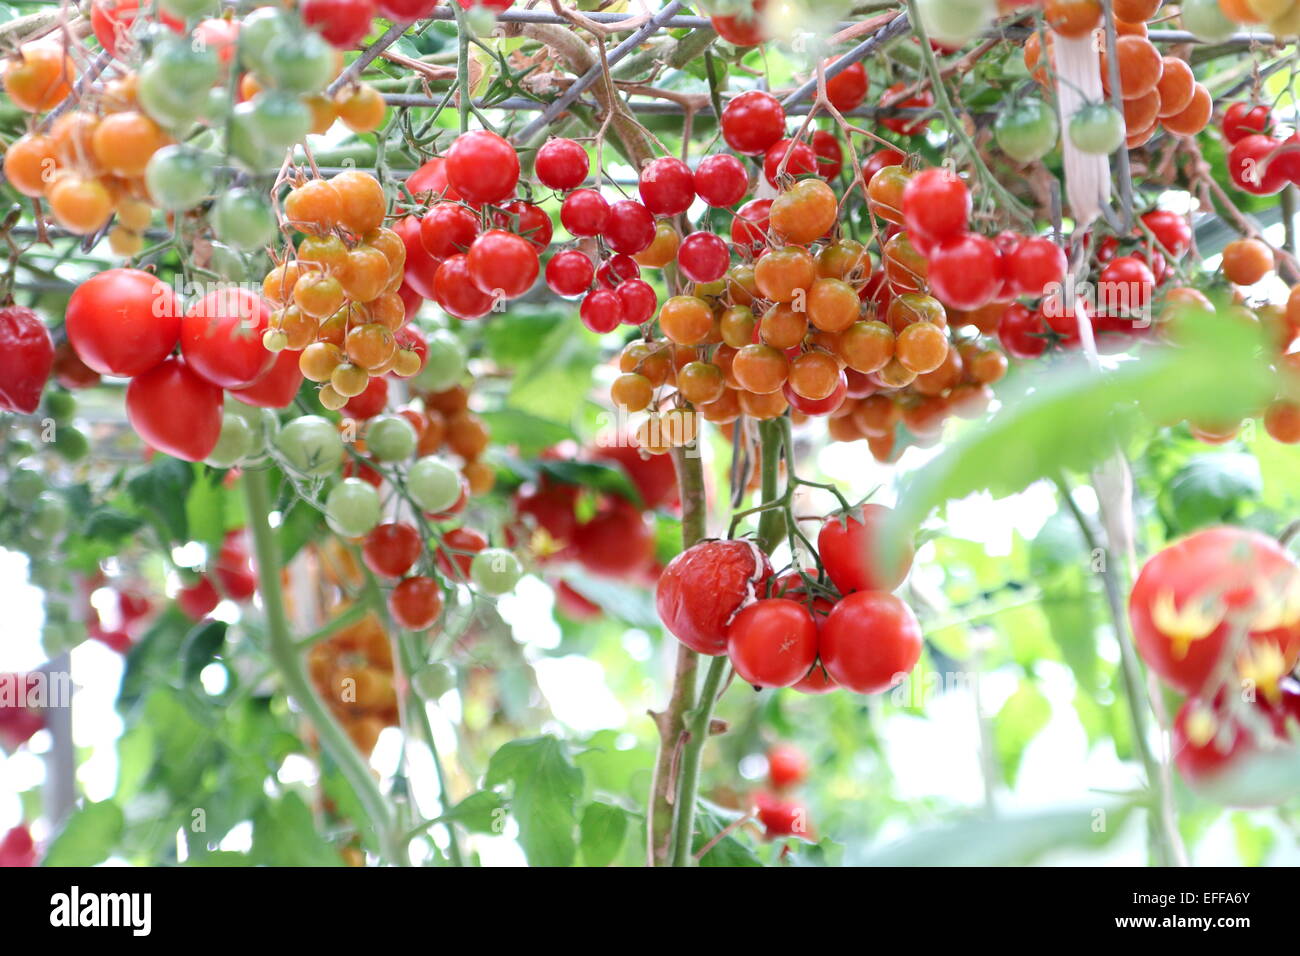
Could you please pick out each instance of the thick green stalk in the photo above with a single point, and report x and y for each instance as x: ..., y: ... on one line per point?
x: 770, y: 525
x: 288, y: 661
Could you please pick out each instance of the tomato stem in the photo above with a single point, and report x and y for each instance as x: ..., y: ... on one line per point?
x: 288, y: 660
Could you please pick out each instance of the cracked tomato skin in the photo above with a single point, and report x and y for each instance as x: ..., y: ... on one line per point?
x: 847, y: 545
x: 703, y: 588
x: 1183, y: 604
x: 26, y: 357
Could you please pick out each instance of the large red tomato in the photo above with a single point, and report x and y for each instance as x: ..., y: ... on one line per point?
x: 702, y: 588
x: 616, y: 543
x: 123, y: 321
x: 26, y: 357
x: 870, y: 641
x: 1241, y: 759
x: 278, y: 387
x: 849, y: 548
x: 221, y: 337
x: 772, y: 643
x: 174, y: 410
x: 1192, y: 597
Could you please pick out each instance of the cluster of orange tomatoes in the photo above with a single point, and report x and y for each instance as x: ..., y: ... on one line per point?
x: 353, y: 673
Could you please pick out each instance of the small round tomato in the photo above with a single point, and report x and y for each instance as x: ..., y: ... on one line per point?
x: 936, y: 205
x: 616, y: 543
x: 667, y: 186
x: 503, y: 264
x: 772, y: 642
x: 849, y: 547
x: 123, y: 321
x: 870, y: 641
x: 416, y: 603
x: 966, y: 272
x: 482, y: 166
x: 561, y: 164
x: 787, y: 765
x: 175, y: 410
x: 702, y: 588
x: 752, y: 122
x: 221, y: 337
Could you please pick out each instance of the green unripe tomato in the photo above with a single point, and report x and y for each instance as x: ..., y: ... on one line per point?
x: 166, y: 105
x: 298, y: 62
x: 228, y: 264
x: 71, y: 444
x: 1204, y: 19
x: 445, y: 365
x: 352, y: 508
x: 280, y: 119
x: 186, y: 67
x: 953, y: 22
x: 180, y: 177
x: 60, y: 405
x: 58, y: 637
x: 391, y: 438
x: 433, y: 484
x: 1097, y: 129
x: 49, y: 515
x: 245, y: 147
x: 235, y: 443
x: 25, y: 486
x: 311, y: 446
x: 1028, y: 130
x: 433, y: 681
x: 258, y: 31
x: 243, y: 219
x: 495, y: 571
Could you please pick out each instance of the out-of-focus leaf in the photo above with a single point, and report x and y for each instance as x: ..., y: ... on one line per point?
x: 1071, y: 416
x: 88, y: 836
x: 481, y: 812
x: 558, y: 376
x: 202, y: 644
x: 1025, y: 713
x: 160, y: 491
x: 284, y: 834
x: 1209, y: 489
x: 710, y: 820
x: 545, y: 790
x: 630, y: 604
x: 510, y: 426
x: 205, y: 509
x: 1255, y: 841
x: 603, y: 827
x: 1002, y: 841
x: 1061, y: 568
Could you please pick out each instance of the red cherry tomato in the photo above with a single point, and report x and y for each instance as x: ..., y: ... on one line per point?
x: 1035, y: 265
x: 848, y: 545
x: 616, y: 543
x: 702, y: 588
x: 26, y: 357
x: 527, y: 220
x: 906, y: 125
x: 421, y: 268
x: 199, y: 599
x: 371, y: 401
x: 482, y: 166
x: 870, y: 641
x: 721, y: 180
x: 966, y: 272
x: 503, y: 264
x: 667, y: 186
x: 630, y: 228
x: 772, y: 642
x: 459, y: 546
x: 787, y: 765
x: 448, y: 229
x: 753, y: 122
x: 175, y: 410
x: 344, y: 23
x: 221, y: 337
x: 456, y: 292
x: 391, y: 548
x: 123, y: 321
x: 802, y: 160
x: 936, y: 205
x: 847, y: 89
x: 570, y: 273
x: 278, y: 387
x: 561, y: 164
x: 749, y: 228
x: 416, y: 603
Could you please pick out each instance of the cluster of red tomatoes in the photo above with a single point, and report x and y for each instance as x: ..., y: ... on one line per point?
x: 616, y: 540
x: 814, y: 629
x: 230, y: 575
x: 1259, y: 162
x: 338, y: 307
x: 777, y: 809
x: 1217, y: 617
x: 353, y: 673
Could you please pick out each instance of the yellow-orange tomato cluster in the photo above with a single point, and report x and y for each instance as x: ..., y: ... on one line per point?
x: 353, y: 673
x: 336, y: 297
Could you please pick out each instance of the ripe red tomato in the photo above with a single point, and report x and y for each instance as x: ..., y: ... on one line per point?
x: 601, y: 311
x: 1035, y: 265
x: 455, y: 291
x: 448, y: 228
x: 221, y: 337
x: 879, y: 160
x: 906, y: 125
x: 110, y: 20
x: 17, y: 848
x: 1241, y: 120
x: 1125, y: 284
x: 780, y: 817
x: 703, y: 257
x: 616, y: 543
x: 753, y: 122
x: 199, y: 599
x: 830, y: 154
x: 26, y: 357
x: 430, y: 182
x: 1171, y: 230
x: 848, y: 546
x: 344, y: 23
x: 702, y: 588
x: 482, y: 166
x: 638, y: 300
x: 421, y: 267
x: 966, y: 272
x: 391, y: 548
x: 1192, y: 596
x: 743, y: 29
x: 175, y: 410
x: 772, y: 642
x: 570, y: 272
x: 18, y: 723
x: 787, y: 765
x: 416, y: 603
x: 848, y: 88
x: 585, y: 212
x: 234, y: 567
x: 616, y: 270
x: 936, y: 205
x: 278, y: 387
x: 123, y: 321
x: 459, y: 546
x: 1022, y: 332
x: 870, y: 641
x: 630, y: 228
x: 527, y: 220
x: 667, y: 186
x: 371, y: 401
x: 749, y: 228
x: 721, y: 180
x: 817, y: 681
x: 501, y: 263
x: 802, y: 161
x: 1251, y: 167
x: 550, y: 510
x: 405, y: 11
x: 561, y: 164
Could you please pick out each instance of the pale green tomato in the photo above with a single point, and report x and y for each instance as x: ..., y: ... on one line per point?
x: 243, y: 218
x: 445, y: 365
x: 180, y: 177
x: 495, y: 571
x: 391, y: 438
x: 311, y: 446
x: 234, y: 444
x: 1204, y: 19
x: 433, y: 681
x: 1097, y: 129
x: 1028, y: 130
x: 352, y: 508
x: 25, y: 486
x: 953, y: 22
x: 434, y: 485
x: 50, y: 515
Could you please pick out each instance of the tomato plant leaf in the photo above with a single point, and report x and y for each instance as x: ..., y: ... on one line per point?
x: 545, y: 790
x: 160, y: 491
x: 481, y: 812
x: 285, y: 834
x: 202, y: 644
x: 710, y: 820
x: 1208, y: 489
x: 1023, y: 715
x: 88, y: 837
x: 603, y: 828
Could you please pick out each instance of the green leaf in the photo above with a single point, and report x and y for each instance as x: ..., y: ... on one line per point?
x: 202, y: 644
x: 1025, y: 713
x: 1002, y: 841
x: 1255, y: 841
x: 160, y: 491
x: 1058, y: 563
x: 1209, y: 488
x: 205, y: 508
x: 604, y: 827
x: 546, y: 787
x: 510, y: 426
x: 628, y: 603
x: 481, y: 812
x: 1070, y: 417
x: 88, y: 836
x: 710, y: 820
x: 595, y: 476
x: 284, y: 834
x: 558, y: 377
x: 135, y: 756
